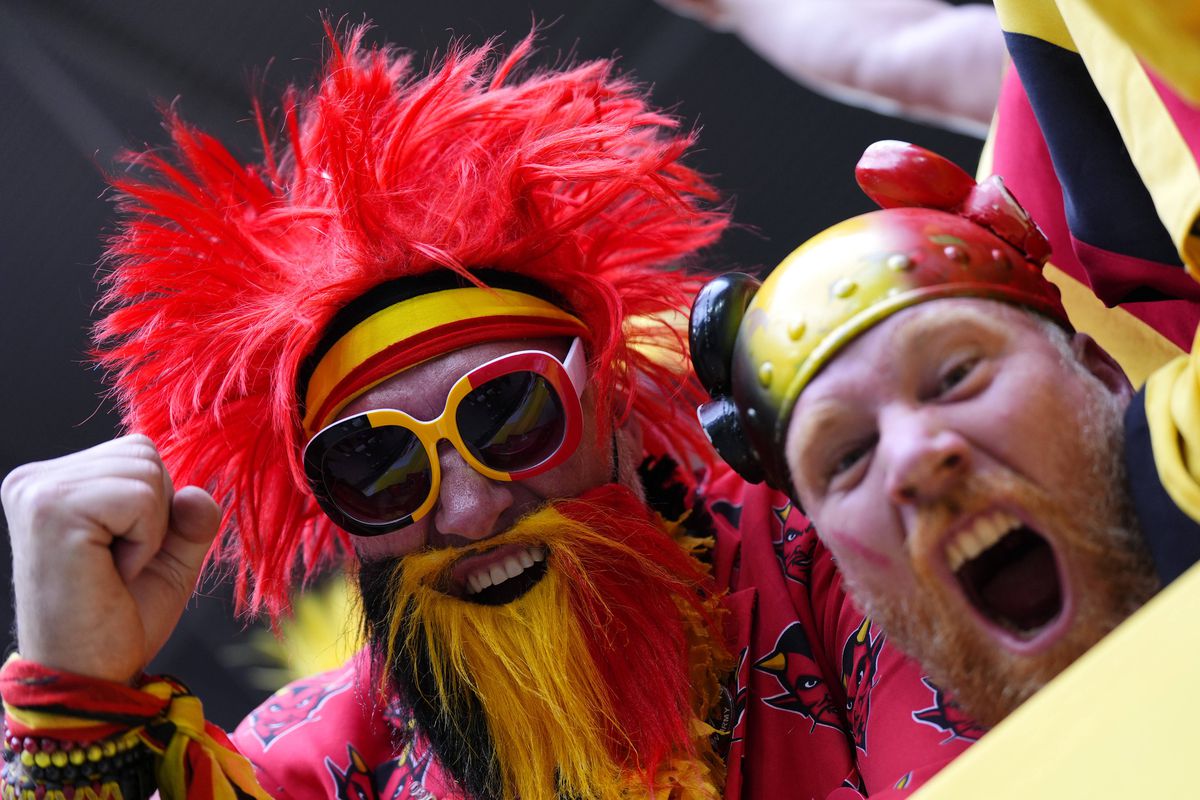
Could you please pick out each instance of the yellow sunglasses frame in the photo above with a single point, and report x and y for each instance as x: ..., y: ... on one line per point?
x: 570, y: 372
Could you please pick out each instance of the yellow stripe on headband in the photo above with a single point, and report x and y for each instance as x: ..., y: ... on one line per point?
x: 413, y: 317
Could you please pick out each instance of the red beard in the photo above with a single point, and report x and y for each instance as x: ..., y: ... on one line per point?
x: 1109, y: 573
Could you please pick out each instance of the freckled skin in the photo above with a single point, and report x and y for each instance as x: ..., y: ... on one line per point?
x: 471, y: 507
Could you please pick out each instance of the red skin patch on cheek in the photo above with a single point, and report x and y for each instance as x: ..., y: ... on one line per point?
x: 851, y: 545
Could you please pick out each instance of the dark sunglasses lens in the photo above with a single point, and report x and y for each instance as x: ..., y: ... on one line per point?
x: 513, y: 422
x: 377, y: 475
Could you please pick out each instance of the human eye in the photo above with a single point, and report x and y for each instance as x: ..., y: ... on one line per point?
x: 846, y: 460
x: 956, y: 372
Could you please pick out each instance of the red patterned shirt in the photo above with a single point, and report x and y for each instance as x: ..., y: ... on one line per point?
x: 821, y: 705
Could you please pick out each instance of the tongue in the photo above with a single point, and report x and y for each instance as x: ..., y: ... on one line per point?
x: 1015, y: 582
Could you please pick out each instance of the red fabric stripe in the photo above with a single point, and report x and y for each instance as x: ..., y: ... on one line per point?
x: 436, y: 342
x: 1022, y: 158
x: 199, y: 779
x: 1126, y: 274
x: 1174, y: 319
x: 28, y: 685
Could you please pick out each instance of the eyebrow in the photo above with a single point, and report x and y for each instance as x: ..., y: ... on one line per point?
x: 826, y: 411
x: 919, y: 329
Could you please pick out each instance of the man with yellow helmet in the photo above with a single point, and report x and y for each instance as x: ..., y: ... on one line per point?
x: 911, y: 379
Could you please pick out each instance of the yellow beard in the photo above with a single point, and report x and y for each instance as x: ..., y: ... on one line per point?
x: 550, y: 713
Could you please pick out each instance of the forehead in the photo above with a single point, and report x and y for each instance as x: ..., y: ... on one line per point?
x: 915, y: 336
x: 421, y: 390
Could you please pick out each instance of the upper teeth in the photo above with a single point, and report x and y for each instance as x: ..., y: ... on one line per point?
x: 982, y: 533
x: 498, y: 572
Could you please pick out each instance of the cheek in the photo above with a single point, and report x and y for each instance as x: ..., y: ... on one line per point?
x: 394, y: 544
x: 866, y: 543
x: 1033, y: 427
x: 588, y: 467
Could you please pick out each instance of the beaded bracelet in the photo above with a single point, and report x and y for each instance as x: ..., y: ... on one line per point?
x: 122, y: 742
x: 121, y: 768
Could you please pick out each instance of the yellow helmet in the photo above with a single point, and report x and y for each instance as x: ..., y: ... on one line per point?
x: 755, y: 347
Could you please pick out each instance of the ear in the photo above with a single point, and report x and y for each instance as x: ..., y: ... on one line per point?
x: 1098, y: 362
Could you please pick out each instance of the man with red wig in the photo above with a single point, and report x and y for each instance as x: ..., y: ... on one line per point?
x: 434, y: 337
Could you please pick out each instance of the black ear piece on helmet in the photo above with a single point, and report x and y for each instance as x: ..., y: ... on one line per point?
x: 716, y: 316
x: 723, y: 426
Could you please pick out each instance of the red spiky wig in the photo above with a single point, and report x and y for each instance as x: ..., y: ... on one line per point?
x: 224, y: 275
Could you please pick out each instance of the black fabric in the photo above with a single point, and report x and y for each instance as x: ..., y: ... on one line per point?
x: 1106, y: 202
x: 1172, y: 536
x: 667, y: 495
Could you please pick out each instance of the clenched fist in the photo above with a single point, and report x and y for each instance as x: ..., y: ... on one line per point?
x: 106, y: 554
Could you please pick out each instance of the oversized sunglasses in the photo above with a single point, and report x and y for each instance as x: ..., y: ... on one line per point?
x: 512, y: 418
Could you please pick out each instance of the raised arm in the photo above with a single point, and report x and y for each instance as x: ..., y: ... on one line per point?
x: 924, y: 59
x: 105, y: 556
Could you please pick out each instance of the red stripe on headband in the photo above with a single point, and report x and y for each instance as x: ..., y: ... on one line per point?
x: 433, y: 343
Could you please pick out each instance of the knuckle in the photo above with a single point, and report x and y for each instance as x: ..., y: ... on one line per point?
x: 144, y: 495
x: 23, y: 490
x: 11, y: 486
x: 19, y: 480
x: 31, y: 508
x: 146, y: 470
x: 136, y: 445
x: 145, y: 452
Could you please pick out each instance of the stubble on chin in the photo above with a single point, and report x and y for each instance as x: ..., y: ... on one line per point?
x: 1094, y: 532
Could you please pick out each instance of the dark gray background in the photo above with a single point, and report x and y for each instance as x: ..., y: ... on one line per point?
x: 80, y: 80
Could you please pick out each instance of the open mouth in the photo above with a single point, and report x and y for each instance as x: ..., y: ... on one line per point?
x: 500, y: 576
x: 1008, y: 572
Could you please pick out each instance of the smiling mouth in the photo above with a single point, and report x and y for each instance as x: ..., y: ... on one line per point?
x: 493, y: 580
x: 1008, y: 573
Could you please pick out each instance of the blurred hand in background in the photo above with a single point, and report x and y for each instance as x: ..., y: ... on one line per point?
x: 926, y: 60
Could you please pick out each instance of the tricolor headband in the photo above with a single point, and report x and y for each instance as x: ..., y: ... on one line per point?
x: 406, y: 322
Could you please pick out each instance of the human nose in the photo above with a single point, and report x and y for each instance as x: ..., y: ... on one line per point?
x: 470, y: 505
x: 925, y: 460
